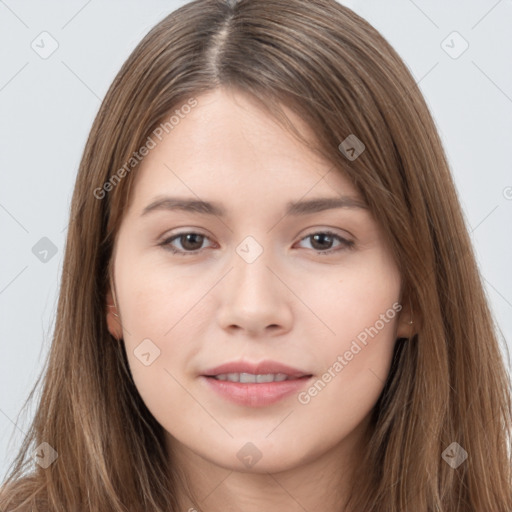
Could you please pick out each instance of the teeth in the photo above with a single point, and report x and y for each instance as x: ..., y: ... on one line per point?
x: 251, y: 378
x: 247, y: 377
x: 269, y: 377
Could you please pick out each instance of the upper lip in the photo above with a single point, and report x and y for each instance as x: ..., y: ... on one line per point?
x: 261, y: 368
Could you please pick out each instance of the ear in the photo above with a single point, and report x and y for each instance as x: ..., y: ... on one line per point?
x: 408, y: 320
x: 113, y: 322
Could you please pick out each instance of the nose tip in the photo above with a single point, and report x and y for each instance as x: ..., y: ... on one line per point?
x: 253, y: 299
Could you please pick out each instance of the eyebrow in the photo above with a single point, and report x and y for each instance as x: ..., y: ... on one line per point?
x: 294, y: 208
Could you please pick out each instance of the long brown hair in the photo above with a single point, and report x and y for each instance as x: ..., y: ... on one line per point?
x: 448, y: 384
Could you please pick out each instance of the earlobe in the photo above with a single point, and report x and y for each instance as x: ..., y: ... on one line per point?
x: 113, y: 320
x: 407, y: 323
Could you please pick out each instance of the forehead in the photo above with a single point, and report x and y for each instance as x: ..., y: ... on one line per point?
x: 229, y: 148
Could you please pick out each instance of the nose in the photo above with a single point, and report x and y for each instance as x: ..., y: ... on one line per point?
x: 255, y: 299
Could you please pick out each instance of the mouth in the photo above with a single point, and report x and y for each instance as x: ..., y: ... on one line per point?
x: 255, y: 384
x: 247, y: 371
x: 251, y: 378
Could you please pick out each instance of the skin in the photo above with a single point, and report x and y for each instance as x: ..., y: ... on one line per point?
x: 291, y: 305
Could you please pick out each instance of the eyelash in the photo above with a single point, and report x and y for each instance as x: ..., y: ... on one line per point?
x: 346, y: 244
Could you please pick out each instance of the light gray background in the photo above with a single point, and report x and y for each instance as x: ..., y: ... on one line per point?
x: 47, y: 107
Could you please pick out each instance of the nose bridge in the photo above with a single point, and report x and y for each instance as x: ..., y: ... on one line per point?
x: 252, y: 277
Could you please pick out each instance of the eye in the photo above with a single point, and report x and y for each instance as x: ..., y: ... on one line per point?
x: 190, y: 242
x: 323, y: 241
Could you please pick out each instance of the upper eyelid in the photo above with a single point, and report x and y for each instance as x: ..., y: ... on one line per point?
x: 198, y: 231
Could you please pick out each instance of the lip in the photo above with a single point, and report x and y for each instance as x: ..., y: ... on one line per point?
x: 261, y: 368
x: 255, y: 394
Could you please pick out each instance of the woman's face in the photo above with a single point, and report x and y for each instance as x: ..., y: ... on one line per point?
x: 253, y: 282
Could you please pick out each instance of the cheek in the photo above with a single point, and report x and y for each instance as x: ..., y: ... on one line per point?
x: 361, y: 302
x: 151, y: 313
x: 361, y: 310
x: 164, y: 318
x: 157, y: 301
x: 347, y: 388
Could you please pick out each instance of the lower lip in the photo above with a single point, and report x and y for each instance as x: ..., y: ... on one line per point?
x: 254, y: 394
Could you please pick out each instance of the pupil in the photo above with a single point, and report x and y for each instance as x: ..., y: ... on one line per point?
x: 322, y: 236
x: 187, y: 238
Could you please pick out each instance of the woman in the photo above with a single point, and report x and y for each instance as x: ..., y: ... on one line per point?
x: 204, y: 358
